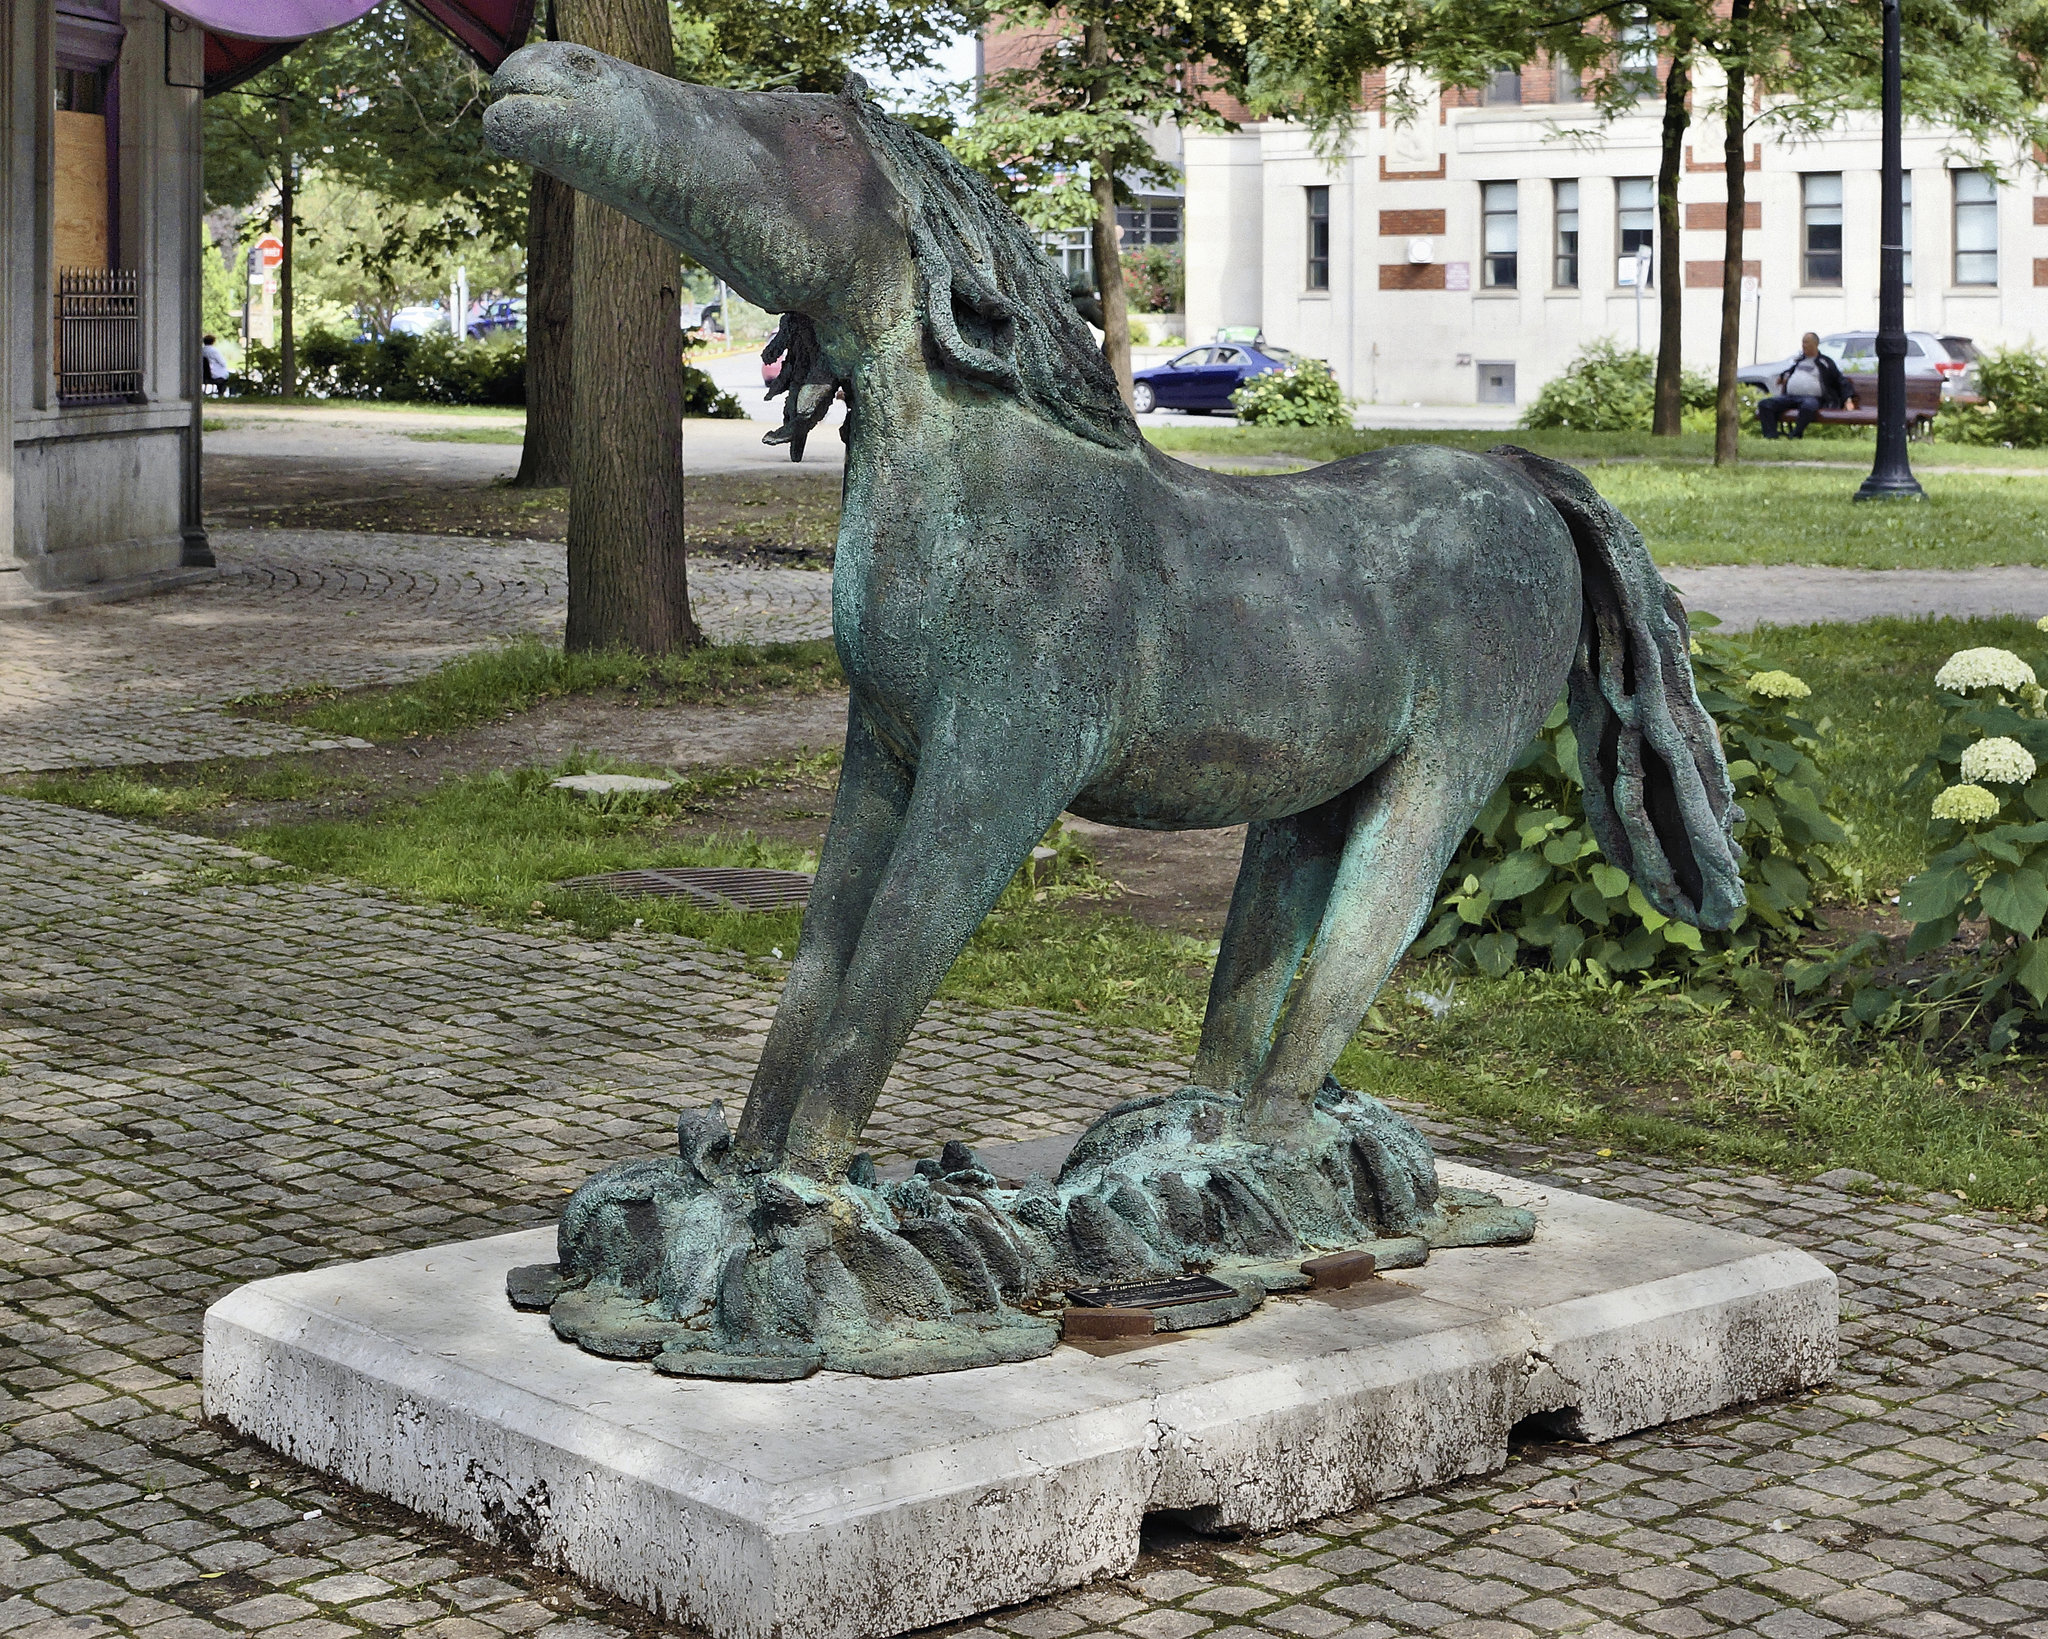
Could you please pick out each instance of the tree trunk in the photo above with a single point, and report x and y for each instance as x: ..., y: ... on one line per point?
x: 550, y: 375
x: 1664, y: 419
x: 1727, y: 393
x: 287, y: 190
x: 628, y: 584
x: 1109, y: 262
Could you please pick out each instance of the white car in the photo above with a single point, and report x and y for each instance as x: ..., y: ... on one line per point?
x: 418, y: 321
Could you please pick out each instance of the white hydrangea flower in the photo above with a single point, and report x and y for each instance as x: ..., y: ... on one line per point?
x: 2041, y: 625
x: 1998, y: 761
x: 1778, y: 686
x: 1966, y: 803
x: 1968, y: 669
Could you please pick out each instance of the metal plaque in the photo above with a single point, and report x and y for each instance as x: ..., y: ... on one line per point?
x: 1151, y: 1294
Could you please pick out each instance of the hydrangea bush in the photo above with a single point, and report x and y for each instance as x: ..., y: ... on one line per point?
x: 1305, y: 394
x: 1988, y: 819
x: 1528, y: 884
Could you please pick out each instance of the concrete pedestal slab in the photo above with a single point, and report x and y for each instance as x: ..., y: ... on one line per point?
x: 850, y: 1508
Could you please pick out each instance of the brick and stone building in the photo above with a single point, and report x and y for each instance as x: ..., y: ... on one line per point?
x: 1466, y: 256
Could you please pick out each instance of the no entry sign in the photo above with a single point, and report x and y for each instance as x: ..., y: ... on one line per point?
x: 269, y: 251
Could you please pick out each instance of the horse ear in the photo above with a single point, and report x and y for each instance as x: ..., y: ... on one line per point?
x: 855, y: 87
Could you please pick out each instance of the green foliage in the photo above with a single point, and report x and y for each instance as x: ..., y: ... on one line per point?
x: 1988, y: 874
x: 514, y: 677
x: 1607, y: 389
x: 428, y: 369
x: 431, y: 369
x: 1156, y: 279
x: 2014, y: 383
x: 1528, y: 884
x: 220, y: 287
x: 1305, y: 394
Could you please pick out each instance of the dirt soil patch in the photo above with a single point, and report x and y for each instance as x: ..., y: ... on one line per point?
x: 787, y: 521
x: 1175, y: 880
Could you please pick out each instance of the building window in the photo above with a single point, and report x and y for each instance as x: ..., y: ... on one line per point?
x: 1149, y: 222
x: 1566, y: 198
x: 1496, y: 382
x: 1503, y: 88
x: 1074, y: 250
x: 1564, y: 82
x: 1499, y: 233
x: 1976, y: 228
x: 1820, y: 226
x: 1906, y: 222
x: 1635, y: 224
x: 1318, y: 238
x: 1636, y: 65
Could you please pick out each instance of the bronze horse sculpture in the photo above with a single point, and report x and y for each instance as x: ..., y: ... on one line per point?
x: 1038, y: 612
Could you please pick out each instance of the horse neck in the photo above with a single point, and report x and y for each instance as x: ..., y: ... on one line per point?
x: 913, y: 446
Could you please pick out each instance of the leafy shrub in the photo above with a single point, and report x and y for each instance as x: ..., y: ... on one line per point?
x: 428, y: 369
x: 1305, y: 394
x: 1155, y: 279
x: 1607, y: 389
x: 1528, y: 884
x: 2014, y: 382
x: 1989, y: 824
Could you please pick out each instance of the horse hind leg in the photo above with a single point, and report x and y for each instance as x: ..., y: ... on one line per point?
x: 1407, y: 821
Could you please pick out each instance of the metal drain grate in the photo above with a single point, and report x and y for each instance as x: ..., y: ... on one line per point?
x: 719, y: 888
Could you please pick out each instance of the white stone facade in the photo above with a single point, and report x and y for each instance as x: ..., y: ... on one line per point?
x: 1405, y: 212
x: 100, y: 493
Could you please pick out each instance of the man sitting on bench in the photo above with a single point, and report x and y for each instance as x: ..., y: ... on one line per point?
x: 1814, y: 383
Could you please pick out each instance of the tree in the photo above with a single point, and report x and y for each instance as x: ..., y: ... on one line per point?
x: 628, y: 581
x: 1067, y: 130
x: 388, y: 105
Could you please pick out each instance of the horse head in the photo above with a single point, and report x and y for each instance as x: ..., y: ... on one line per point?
x: 825, y: 210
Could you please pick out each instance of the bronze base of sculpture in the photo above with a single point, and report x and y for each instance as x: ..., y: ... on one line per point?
x: 710, y: 1270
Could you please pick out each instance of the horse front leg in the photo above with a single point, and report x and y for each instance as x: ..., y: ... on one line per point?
x: 867, y: 817
x: 986, y: 789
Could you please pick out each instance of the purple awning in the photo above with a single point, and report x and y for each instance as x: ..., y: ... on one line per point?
x: 245, y: 36
x: 271, y: 20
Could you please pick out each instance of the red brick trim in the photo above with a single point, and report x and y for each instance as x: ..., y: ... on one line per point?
x: 1436, y: 175
x: 2040, y: 271
x: 1707, y: 275
x: 1411, y: 275
x: 1712, y: 215
x: 1409, y: 224
x: 1754, y: 163
x: 2041, y: 210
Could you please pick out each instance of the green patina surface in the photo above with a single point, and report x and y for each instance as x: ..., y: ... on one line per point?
x: 1038, y: 612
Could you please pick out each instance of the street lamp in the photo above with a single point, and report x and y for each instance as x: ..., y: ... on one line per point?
x: 1891, y: 474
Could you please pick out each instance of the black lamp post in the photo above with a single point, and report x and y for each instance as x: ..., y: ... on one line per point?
x: 1891, y: 475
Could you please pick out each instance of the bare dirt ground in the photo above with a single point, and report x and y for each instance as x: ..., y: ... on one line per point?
x: 1175, y: 880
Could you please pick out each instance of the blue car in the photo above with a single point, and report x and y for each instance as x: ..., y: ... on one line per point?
x: 1203, y: 378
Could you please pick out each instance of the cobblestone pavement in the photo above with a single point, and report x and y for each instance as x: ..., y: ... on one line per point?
x: 146, y: 681
x: 212, y: 1070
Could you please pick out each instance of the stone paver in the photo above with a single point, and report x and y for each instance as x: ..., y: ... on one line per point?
x: 211, y: 1070
x: 147, y: 681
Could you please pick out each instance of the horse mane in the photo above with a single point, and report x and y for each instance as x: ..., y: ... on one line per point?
x: 994, y: 306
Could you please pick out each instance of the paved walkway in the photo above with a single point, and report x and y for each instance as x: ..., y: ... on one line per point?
x: 1788, y: 595
x: 212, y: 1071
x: 147, y: 681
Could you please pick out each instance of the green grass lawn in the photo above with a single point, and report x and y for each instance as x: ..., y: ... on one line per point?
x: 1848, y: 446
x: 518, y: 676
x: 1764, y: 511
x: 1646, y: 1069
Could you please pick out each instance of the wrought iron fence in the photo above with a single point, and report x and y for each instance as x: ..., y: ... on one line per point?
x: 99, y: 335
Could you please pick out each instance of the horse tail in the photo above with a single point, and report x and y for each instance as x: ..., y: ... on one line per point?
x: 1657, y: 792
